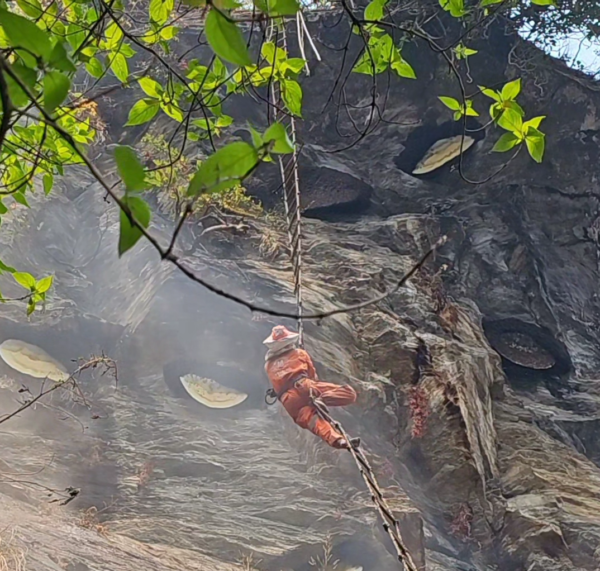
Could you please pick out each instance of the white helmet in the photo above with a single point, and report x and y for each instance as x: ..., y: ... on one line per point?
x: 280, y: 338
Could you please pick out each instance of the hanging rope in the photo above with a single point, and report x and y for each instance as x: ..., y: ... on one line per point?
x: 290, y: 179
x: 291, y: 198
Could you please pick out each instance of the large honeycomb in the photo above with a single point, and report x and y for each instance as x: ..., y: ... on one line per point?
x: 523, y: 350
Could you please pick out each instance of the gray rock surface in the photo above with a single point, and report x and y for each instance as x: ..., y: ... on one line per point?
x: 504, y: 473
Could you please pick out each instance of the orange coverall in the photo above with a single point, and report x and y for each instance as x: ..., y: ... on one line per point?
x: 283, y: 369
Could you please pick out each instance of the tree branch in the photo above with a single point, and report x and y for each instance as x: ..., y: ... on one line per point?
x: 168, y: 255
x: 7, y: 109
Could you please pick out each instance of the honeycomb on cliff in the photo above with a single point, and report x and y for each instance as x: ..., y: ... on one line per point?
x: 523, y: 350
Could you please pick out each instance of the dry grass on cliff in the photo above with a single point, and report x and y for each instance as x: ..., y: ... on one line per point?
x: 89, y: 520
x: 248, y: 563
x: 12, y: 555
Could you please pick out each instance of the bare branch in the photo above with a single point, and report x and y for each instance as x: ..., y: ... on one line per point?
x: 91, y: 363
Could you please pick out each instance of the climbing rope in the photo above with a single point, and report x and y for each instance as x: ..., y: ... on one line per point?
x: 291, y: 198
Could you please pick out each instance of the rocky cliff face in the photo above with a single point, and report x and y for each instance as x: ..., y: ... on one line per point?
x: 478, y: 394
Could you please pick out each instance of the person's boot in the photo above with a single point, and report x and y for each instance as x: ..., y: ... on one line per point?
x: 343, y: 444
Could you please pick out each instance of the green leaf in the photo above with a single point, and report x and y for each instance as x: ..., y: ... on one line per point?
x: 403, y: 68
x: 278, y: 134
x: 496, y: 111
x: 489, y: 2
x: 261, y: 76
x: 160, y: 10
x: 257, y: 140
x: 219, y: 70
x: 28, y: 76
x: 36, y: 297
x: 119, y: 67
x: 44, y: 284
x: 450, y: 102
x: 535, y: 123
x: 535, y: 141
x: 59, y: 59
x: 168, y: 32
x: 130, y: 169
x: 114, y: 35
x: 3, y: 210
x: 28, y: 59
x: 544, y: 2
x: 226, y: 39
x: 384, y: 52
x: 224, y: 169
x: 284, y: 8
x: 224, y: 121
x: 151, y: 87
x: 172, y: 111
x: 203, y: 124
x: 463, y: 52
x: 291, y: 93
x: 127, y: 50
x: 24, y: 279
x: 514, y: 106
x: 56, y: 89
x: 511, y: 121
x: 294, y: 65
x: 25, y: 34
x: 490, y: 93
x: 455, y: 7
x: 511, y: 90
x: 197, y: 71
x: 271, y: 52
x: 89, y: 51
x: 20, y: 198
x: 505, y: 143
x: 130, y: 234
x: 31, y: 7
x: 142, y: 112
x: 48, y: 183
x: 30, y: 307
x: 374, y: 10
x: 76, y: 35
x: 151, y: 37
x: 94, y: 67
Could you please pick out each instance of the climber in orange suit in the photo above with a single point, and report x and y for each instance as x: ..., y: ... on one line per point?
x: 293, y: 377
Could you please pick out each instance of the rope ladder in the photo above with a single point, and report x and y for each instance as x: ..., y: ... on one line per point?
x: 288, y: 166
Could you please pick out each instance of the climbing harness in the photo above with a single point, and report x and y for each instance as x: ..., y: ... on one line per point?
x: 272, y: 394
x: 291, y: 198
x: 271, y: 397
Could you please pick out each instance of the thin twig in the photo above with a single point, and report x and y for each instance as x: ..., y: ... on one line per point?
x: 91, y: 363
